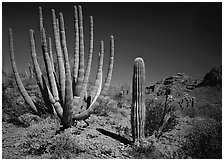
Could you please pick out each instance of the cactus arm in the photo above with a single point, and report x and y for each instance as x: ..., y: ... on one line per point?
x: 96, y: 85
x: 110, y: 67
x: 47, y: 96
x: 38, y: 73
x: 60, y: 60
x: 96, y: 89
x: 88, y: 67
x: 51, y: 53
x: 99, y: 85
x: 76, y: 53
x: 86, y: 113
x: 49, y: 69
x: 81, y: 56
x: 19, y: 83
x: 41, y: 24
x: 138, y: 101
x: 83, y: 113
x: 68, y: 81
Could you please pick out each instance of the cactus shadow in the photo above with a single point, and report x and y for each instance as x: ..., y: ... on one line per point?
x: 114, y: 136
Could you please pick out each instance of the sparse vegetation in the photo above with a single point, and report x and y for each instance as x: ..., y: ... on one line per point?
x: 192, y: 132
x: 179, y: 117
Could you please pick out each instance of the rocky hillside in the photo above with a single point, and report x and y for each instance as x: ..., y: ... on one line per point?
x: 181, y: 83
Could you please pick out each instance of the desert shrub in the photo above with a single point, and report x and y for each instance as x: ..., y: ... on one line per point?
x: 27, y: 82
x: 12, y: 107
x: 154, y: 115
x: 117, y: 96
x: 205, y: 110
x: 28, y: 119
x: 105, y: 108
x: 40, y: 141
x: 39, y: 137
x: 154, y: 111
x: 7, y: 81
x: 11, y: 104
x: 64, y: 145
x: 122, y: 99
x: 145, y: 151
x: 204, y: 140
x: 208, y: 103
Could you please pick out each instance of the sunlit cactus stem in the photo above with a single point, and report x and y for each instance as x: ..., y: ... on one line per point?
x: 138, y: 102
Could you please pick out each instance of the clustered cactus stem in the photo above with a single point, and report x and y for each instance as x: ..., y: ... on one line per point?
x: 138, y: 110
x: 65, y: 91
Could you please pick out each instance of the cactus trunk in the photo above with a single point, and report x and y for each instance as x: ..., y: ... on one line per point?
x: 138, y: 102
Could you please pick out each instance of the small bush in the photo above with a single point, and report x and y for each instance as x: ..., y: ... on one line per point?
x: 208, y: 103
x: 40, y: 141
x: 204, y: 140
x: 145, y: 151
x: 64, y: 146
x: 39, y: 137
x: 154, y: 115
x: 13, y: 104
x: 205, y: 110
x: 105, y: 109
x: 12, y: 107
x: 28, y: 119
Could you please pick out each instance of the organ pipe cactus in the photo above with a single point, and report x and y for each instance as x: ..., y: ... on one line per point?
x: 138, y: 102
x: 64, y: 93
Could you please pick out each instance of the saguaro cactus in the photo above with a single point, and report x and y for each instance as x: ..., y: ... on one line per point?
x: 138, y: 102
x: 64, y: 92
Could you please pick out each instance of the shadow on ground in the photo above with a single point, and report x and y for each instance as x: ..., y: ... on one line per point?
x: 114, y: 136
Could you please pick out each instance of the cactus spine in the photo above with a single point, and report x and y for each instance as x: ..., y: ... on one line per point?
x: 138, y: 102
x: 65, y: 96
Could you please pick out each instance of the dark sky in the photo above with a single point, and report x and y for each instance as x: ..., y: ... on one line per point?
x: 170, y: 37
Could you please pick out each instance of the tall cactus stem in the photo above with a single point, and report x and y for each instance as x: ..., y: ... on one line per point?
x: 81, y: 55
x: 60, y: 58
x: 94, y: 91
x: 51, y: 53
x: 110, y: 67
x: 76, y: 52
x: 41, y: 23
x: 49, y: 69
x: 46, y: 94
x: 88, y: 67
x: 19, y: 83
x: 138, y: 102
x: 68, y: 81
